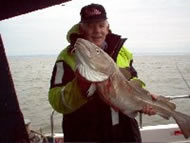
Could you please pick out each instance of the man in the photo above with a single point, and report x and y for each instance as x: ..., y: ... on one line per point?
x: 89, y: 118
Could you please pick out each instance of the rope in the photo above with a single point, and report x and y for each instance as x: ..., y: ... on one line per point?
x: 182, y: 75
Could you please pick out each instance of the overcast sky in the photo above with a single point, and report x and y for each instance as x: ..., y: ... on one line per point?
x: 153, y: 26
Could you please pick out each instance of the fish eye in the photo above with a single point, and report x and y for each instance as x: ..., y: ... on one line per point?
x: 97, y: 51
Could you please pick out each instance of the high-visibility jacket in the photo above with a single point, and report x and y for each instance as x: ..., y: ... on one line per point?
x: 64, y: 94
x: 78, y: 110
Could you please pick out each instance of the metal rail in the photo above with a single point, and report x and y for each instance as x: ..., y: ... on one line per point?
x: 182, y: 76
x: 178, y: 97
x: 52, y: 125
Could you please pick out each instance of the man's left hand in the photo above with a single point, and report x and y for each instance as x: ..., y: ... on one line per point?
x: 148, y: 109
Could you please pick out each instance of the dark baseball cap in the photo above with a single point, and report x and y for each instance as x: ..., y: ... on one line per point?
x: 93, y: 13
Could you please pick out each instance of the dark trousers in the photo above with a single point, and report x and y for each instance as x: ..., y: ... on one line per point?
x: 92, y: 123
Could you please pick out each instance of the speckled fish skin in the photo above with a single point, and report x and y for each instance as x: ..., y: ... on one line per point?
x: 128, y: 97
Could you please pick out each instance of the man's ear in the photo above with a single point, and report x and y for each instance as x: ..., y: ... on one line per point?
x: 108, y: 26
x: 80, y: 29
x: 108, y: 29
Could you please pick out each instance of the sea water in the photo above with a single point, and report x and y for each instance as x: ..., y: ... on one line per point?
x: 166, y: 75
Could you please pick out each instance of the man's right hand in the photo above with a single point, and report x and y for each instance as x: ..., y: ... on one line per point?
x: 82, y: 83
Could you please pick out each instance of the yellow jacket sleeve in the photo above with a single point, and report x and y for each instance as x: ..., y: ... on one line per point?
x: 65, y: 96
x: 124, y: 59
x: 66, y: 99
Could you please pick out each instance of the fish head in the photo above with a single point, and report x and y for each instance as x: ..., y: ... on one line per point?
x: 92, y: 62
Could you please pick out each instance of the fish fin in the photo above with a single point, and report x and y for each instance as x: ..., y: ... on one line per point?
x: 138, y: 86
x: 165, y: 116
x: 126, y: 73
x: 183, y: 122
x: 135, y: 83
x: 167, y: 102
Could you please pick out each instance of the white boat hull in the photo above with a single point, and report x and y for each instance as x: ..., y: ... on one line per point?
x: 159, y: 133
x: 163, y: 133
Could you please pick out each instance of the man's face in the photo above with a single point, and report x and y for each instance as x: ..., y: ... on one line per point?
x: 95, y: 32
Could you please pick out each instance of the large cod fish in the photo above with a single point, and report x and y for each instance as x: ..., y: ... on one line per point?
x: 126, y: 96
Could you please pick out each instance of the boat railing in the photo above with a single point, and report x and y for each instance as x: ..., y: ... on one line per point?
x: 52, y: 123
x: 54, y: 137
x: 140, y: 115
x: 170, y: 98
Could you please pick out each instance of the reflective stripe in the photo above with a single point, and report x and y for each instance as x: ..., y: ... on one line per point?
x: 114, y: 117
x: 59, y: 73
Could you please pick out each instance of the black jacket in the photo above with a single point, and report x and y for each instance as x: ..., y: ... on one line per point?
x: 93, y: 122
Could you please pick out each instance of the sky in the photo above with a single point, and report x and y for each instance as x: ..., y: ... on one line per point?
x: 151, y: 26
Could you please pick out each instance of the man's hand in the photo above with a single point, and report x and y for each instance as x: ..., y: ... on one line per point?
x: 82, y: 83
x: 148, y: 109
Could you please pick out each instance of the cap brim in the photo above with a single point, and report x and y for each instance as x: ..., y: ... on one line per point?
x: 93, y: 20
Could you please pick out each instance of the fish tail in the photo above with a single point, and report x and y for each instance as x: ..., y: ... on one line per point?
x: 183, y: 122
